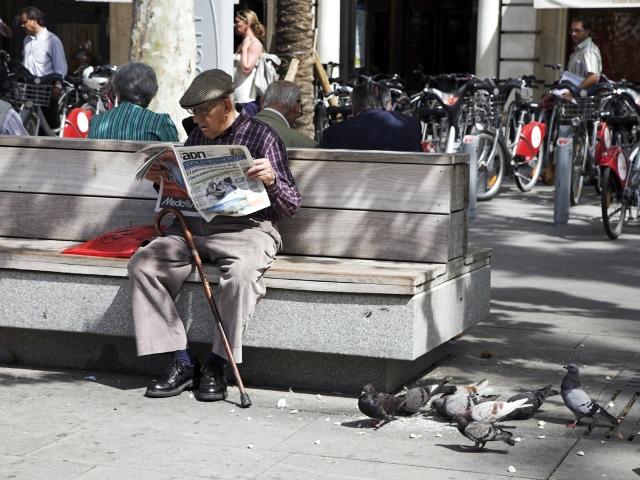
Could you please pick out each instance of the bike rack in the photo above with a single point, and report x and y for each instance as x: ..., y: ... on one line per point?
x: 470, y: 147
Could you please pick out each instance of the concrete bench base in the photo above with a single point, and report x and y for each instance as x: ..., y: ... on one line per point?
x: 315, y: 340
x: 313, y: 372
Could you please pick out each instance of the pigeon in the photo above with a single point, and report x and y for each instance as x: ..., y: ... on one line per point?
x: 577, y: 400
x: 482, y: 432
x: 493, y: 411
x: 378, y: 405
x: 535, y: 398
x: 459, y: 403
x: 418, y: 396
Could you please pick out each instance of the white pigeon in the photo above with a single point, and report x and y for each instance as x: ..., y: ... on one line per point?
x: 494, y: 411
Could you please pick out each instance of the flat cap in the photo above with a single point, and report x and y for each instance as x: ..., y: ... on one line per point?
x: 208, y: 85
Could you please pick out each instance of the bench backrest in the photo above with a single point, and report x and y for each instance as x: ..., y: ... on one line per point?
x: 375, y: 205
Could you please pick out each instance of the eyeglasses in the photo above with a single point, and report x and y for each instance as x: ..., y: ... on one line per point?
x: 203, y: 109
x: 576, y: 30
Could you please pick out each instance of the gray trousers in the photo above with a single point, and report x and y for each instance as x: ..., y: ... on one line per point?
x: 242, y: 248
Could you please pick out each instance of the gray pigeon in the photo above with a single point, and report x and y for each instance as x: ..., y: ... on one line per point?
x: 577, y: 400
x: 493, y: 411
x: 482, y: 432
x: 416, y: 397
x: 378, y: 405
x: 535, y: 398
x: 459, y: 403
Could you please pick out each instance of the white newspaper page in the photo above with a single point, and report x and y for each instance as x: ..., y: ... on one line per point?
x: 216, y: 182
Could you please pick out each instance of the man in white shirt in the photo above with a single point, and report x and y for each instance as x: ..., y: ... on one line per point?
x: 43, y: 52
x: 43, y: 56
x: 585, y: 61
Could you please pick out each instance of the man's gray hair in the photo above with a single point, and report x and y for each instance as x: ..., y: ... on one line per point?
x: 282, y: 92
x: 136, y: 83
x: 370, y: 96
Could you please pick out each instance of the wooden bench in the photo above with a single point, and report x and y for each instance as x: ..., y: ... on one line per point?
x: 375, y: 272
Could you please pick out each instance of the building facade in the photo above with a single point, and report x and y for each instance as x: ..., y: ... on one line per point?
x: 491, y: 38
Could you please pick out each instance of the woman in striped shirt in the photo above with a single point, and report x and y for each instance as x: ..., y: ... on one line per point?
x: 135, y: 85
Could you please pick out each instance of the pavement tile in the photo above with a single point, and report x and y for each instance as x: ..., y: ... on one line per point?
x: 451, y: 451
x: 312, y: 467
x: 615, y: 460
x: 161, y: 452
x: 15, y: 467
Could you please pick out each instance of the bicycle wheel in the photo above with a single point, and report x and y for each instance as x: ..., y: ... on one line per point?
x: 526, y: 173
x: 551, y: 138
x: 613, y: 207
x: 511, y: 127
x: 578, y: 163
x: 490, y: 167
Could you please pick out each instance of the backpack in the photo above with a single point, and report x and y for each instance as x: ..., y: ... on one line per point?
x: 266, y: 74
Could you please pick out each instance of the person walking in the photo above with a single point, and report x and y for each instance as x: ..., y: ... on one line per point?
x: 246, y: 59
x: 43, y: 56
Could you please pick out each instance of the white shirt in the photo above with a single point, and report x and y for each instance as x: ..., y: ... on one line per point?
x: 585, y: 59
x: 243, y: 82
x: 44, y: 54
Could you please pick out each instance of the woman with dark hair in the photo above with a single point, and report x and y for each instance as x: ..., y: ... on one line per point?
x: 246, y: 58
x: 134, y: 85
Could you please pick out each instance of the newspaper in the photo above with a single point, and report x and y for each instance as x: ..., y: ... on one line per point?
x: 205, y: 180
x: 571, y: 78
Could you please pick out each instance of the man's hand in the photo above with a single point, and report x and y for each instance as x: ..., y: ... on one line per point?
x: 56, y: 90
x: 262, y: 171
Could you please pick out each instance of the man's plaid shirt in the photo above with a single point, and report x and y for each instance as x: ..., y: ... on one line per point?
x: 262, y: 142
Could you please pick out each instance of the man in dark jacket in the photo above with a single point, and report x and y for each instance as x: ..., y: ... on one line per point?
x: 373, y: 126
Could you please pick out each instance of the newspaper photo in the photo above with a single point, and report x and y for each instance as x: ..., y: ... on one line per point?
x: 205, y: 180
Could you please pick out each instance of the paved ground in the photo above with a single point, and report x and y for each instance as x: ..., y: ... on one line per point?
x: 559, y: 294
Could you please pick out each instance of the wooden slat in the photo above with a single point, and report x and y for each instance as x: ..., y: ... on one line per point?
x: 294, y: 153
x: 78, y: 172
x: 377, y: 156
x: 63, y: 217
x: 288, y: 272
x: 377, y: 235
x: 73, y: 143
x: 380, y: 186
x: 322, y: 232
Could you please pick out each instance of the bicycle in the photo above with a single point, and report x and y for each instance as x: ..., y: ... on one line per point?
x: 473, y: 109
x: 524, y: 133
x: 581, y: 112
x: 620, y: 162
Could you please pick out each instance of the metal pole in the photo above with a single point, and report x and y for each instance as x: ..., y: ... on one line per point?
x: 563, y: 156
x: 470, y: 147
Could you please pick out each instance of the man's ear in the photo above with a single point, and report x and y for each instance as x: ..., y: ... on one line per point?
x: 228, y: 105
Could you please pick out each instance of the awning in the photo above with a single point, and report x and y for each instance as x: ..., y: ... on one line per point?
x: 585, y: 3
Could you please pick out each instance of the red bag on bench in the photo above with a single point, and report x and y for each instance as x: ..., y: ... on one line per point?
x: 122, y: 243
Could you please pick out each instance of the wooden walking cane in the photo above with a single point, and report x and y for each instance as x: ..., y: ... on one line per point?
x: 245, y: 401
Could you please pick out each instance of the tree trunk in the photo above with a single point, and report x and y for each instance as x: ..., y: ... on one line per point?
x: 294, y: 39
x: 163, y: 36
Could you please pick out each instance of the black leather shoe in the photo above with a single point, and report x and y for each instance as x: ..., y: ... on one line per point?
x: 178, y: 378
x: 213, y: 384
